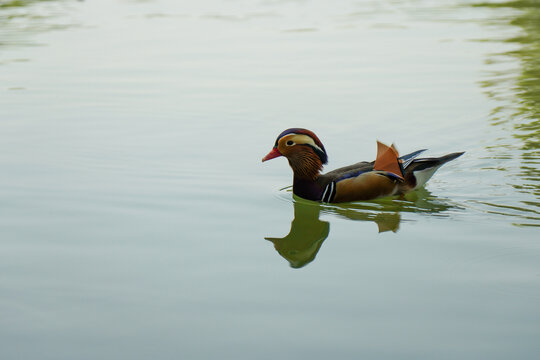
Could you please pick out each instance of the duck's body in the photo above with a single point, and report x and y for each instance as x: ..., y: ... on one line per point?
x: 388, y: 175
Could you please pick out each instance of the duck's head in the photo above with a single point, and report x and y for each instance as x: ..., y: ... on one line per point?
x: 304, y: 151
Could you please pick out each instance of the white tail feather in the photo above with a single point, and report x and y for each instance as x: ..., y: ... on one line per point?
x: 422, y: 176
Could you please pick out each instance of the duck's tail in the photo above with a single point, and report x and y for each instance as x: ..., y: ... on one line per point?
x: 419, y: 171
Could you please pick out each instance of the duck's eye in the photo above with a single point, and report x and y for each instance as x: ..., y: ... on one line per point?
x: 290, y: 143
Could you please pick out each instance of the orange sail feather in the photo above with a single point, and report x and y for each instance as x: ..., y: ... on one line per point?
x: 387, y: 160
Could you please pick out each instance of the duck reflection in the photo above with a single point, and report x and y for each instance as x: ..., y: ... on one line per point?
x: 308, y: 232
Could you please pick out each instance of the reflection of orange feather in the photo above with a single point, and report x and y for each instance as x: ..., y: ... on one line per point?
x: 387, y: 159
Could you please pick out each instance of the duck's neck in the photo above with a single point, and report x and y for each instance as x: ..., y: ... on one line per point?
x: 307, y: 189
x: 306, y: 168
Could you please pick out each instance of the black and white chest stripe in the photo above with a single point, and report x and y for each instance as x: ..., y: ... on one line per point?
x: 329, y: 192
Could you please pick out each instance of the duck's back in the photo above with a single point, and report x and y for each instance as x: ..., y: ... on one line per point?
x: 347, y: 171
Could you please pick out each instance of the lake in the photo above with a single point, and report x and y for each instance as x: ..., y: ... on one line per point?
x: 137, y: 220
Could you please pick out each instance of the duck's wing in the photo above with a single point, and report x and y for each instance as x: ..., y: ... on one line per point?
x: 407, y: 159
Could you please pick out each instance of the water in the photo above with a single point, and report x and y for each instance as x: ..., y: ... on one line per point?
x: 138, y: 222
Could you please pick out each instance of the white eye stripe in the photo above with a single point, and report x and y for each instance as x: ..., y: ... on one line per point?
x: 316, y: 147
x: 306, y: 140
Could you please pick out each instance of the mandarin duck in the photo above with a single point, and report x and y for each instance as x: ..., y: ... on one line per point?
x: 388, y: 175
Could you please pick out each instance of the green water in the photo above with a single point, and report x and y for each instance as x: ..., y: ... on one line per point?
x: 137, y: 220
